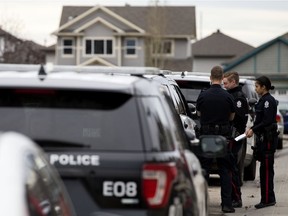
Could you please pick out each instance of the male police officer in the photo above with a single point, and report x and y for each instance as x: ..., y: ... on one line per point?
x: 231, y: 83
x: 215, y: 106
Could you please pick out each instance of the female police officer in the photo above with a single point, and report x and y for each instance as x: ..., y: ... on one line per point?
x: 265, y: 129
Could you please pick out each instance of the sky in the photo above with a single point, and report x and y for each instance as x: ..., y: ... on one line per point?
x: 254, y: 22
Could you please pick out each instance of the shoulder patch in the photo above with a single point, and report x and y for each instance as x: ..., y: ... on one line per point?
x: 266, y: 104
x: 239, y: 104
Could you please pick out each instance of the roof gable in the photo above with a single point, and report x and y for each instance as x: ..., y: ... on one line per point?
x: 178, y: 20
x: 97, y: 59
x: 96, y: 20
x: 282, y: 39
x: 219, y: 45
x: 76, y: 18
x: 82, y: 15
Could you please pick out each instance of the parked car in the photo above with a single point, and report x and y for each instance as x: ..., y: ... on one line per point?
x: 116, y: 140
x: 192, y: 83
x: 280, y: 127
x: 185, y: 110
x: 29, y: 185
x: 283, y: 108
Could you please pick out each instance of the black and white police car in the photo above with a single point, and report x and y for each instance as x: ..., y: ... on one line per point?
x: 116, y: 140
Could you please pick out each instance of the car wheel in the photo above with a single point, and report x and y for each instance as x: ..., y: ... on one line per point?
x: 250, y: 171
x: 280, y: 143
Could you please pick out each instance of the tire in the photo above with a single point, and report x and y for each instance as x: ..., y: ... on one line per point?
x: 280, y: 143
x: 250, y: 171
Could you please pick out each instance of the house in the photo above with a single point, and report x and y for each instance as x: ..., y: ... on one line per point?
x: 17, y: 51
x: 216, y: 49
x: 157, y: 36
x: 268, y: 59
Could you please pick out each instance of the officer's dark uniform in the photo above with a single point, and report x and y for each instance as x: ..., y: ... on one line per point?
x: 216, y: 105
x: 265, y: 128
x: 239, y: 126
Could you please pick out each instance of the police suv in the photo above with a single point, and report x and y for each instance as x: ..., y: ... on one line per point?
x: 116, y: 140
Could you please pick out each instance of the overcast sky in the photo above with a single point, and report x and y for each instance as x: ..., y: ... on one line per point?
x: 251, y: 21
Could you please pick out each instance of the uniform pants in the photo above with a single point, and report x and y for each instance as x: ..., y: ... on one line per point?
x: 236, y: 182
x: 224, y: 166
x: 266, y: 171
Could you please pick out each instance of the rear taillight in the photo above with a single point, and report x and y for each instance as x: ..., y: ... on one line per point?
x: 278, y: 118
x: 157, y: 183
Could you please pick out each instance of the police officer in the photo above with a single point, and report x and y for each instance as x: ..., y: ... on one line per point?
x: 265, y: 129
x: 215, y: 106
x: 231, y: 84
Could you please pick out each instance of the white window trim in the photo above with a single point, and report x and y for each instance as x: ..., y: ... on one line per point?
x: 172, y: 54
x: 99, y: 55
x: 62, y: 47
x: 129, y: 47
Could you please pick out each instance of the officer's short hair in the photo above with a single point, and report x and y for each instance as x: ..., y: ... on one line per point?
x: 217, y: 73
x: 232, y: 75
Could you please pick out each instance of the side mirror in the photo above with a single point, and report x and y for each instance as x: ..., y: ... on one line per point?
x: 191, y: 136
x: 212, y: 146
x: 252, y: 102
x: 192, y: 107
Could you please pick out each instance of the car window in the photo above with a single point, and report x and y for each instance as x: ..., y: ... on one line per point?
x: 191, y: 89
x: 249, y: 89
x: 158, y: 125
x: 177, y: 98
x: 86, y: 118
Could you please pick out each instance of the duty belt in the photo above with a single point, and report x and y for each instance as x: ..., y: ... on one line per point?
x: 216, y: 128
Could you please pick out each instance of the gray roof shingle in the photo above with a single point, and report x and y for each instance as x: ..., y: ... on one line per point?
x: 179, y: 20
x: 220, y: 45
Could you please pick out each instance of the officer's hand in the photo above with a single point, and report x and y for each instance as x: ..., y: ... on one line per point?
x: 249, y: 133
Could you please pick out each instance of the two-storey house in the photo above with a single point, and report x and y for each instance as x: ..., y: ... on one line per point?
x: 126, y: 36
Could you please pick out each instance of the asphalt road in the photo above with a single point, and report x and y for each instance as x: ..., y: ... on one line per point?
x: 251, y: 190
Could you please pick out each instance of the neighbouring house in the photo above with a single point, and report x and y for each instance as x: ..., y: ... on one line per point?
x: 14, y: 50
x: 157, y: 36
x: 216, y: 49
x: 271, y: 59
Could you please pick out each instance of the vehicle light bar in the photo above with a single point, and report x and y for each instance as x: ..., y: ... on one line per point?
x: 80, y: 69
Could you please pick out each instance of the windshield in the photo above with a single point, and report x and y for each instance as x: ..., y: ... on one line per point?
x: 87, y: 118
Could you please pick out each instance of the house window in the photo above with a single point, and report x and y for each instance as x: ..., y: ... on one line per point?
x: 164, y: 47
x: 68, y: 46
x: 98, y: 47
x: 130, y: 46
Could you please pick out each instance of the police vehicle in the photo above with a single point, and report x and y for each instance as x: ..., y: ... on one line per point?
x: 115, y: 139
x: 185, y: 111
x: 29, y: 185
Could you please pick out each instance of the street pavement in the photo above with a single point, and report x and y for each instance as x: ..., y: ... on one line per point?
x: 251, y: 191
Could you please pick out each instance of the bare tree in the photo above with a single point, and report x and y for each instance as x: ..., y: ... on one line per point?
x: 157, y: 28
x: 16, y: 50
